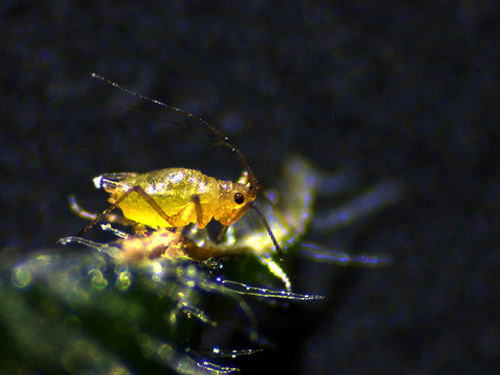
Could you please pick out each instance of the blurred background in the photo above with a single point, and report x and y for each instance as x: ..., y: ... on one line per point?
x: 404, y: 91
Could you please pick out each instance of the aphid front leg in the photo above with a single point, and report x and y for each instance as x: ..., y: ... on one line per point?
x: 222, y: 233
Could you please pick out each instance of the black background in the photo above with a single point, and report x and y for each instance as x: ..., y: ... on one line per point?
x: 405, y: 90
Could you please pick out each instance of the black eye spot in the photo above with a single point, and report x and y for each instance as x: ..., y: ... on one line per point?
x: 239, y: 198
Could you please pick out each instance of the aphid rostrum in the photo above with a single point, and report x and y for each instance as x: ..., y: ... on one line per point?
x: 176, y: 197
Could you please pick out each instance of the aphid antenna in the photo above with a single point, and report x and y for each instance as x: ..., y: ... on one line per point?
x: 253, y: 182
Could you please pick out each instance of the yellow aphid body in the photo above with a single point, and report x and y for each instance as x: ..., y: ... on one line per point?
x: 184, y: 195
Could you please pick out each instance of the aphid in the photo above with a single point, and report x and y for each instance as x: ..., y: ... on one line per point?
x: 176, y: 197
x: 288, y: 218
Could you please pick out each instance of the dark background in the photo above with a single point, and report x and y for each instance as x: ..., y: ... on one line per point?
x: 406, y: 91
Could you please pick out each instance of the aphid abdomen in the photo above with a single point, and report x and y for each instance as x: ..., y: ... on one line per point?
x: 177, y: 191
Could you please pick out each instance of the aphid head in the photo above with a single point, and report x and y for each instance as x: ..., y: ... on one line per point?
x: 238, y: 198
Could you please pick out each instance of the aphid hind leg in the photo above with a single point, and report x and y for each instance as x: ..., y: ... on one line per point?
x: 114, y: 205
x: 149, y: 199
x: 79, y: 210
x: 83, y: 213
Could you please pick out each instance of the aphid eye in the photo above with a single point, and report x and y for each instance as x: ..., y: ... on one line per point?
x: 239, y: 198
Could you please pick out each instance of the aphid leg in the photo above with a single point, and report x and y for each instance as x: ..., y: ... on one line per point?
x: 80, y: 211
x: 149, y: 200
x: 143, y: 194
x: 222, y: 233
x: 118, y: 233
x: 199, y: 210
x: 98, y: 218
x: 82, y: 241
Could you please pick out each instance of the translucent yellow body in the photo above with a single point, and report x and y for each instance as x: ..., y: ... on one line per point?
x: 184, y: 195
